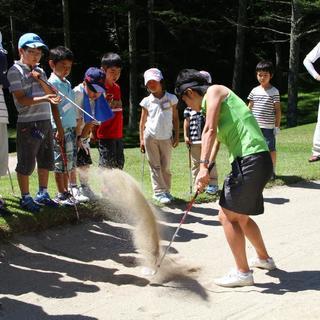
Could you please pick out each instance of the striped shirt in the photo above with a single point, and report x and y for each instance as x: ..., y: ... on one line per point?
x: 20, y: 80
x: 263, y: 108
x: 196, y: 124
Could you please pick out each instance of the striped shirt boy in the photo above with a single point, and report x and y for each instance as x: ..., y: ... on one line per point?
x: 263, y: 108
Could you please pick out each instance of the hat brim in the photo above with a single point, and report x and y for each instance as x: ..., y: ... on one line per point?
x: 98, y: 88
x: 37, y: 45
x: 155, y: 78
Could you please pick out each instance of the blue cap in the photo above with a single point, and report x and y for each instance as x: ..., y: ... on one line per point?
x: 31, y: 40
x: 96, y: 78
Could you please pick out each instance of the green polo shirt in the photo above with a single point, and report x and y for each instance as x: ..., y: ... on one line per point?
x: 237, y: 128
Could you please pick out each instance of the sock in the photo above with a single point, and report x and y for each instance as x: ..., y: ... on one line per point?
x: 43, y: 189
x: 25, y: 195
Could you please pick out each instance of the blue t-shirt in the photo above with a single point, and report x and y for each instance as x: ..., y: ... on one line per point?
x: 67, y: 110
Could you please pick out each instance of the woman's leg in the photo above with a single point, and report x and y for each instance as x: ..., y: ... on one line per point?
x: 235, y: 237
x: 252, y: 232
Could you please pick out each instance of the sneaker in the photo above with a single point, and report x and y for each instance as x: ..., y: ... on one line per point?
x: 169, y: 196
x: 267, y: 264
x: 314, y: 158
x: 43, y: 199
x: 4, y: 212
x: 87, y: 192
x: 162, y: 198
x: 65, y: 199
x: 77, y: 195
x: 235, y: 279
x: 30, y: 205
x: 212, y: 189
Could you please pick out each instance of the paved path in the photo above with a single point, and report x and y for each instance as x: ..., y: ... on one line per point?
x: 89, y: 271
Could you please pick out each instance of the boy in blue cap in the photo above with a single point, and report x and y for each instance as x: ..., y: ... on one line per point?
x: 89, y: 95
x: 32, y: 99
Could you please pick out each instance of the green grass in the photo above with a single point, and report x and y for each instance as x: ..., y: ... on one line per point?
x: 294, y: 149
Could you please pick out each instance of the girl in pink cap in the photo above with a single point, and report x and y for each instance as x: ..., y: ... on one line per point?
x: 159, y: 132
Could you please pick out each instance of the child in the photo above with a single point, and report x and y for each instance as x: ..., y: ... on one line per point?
x: 308, y: 62
x: 110, y: 132
x: 60, y: 61
x: 90, y: 96
x: 192, y: 128
x: 34, y: 132
x: 3, y: 122
x: 264, y: 101
x: 159, y: 117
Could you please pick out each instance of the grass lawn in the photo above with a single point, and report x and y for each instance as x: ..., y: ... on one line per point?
x: 294, y: 148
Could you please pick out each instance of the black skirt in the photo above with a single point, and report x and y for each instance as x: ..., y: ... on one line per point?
x: 242, y: 188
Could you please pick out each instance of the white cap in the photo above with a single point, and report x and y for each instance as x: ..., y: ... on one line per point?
x: 152, y: 74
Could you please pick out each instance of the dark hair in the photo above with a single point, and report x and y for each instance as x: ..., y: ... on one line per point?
x: 193, y: 79
x: 111, y: 59
x: 60, y: 53
x: 266, y: 66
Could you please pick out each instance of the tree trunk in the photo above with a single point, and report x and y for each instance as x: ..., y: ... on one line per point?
x: 66, y: 23
x: 239, y: 50
x: 151, y: 33
x: 293, y: 64
x: 133, y: 66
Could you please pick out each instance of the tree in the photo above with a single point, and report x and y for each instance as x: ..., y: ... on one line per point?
x: 151, y: 32
x: 66, y: 23
x: 132, y: 25
x: 239, y: 49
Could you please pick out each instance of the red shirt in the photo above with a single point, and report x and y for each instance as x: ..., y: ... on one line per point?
x: 112, y: 128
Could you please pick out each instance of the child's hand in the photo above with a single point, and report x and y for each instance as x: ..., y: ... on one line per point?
x: 187, y: 141
x: 175, y: 142
x: 59, y: 136
x: 142, y: 147
x: 53, y: 98
x: 35, y: 75
x: 276, y: 131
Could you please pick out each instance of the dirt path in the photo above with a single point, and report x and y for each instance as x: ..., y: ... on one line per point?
x: 89, y: 271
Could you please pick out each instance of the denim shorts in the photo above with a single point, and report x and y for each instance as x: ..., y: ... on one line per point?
x: 70, y: 151
x: 270, y: 138
x: 242, y: 188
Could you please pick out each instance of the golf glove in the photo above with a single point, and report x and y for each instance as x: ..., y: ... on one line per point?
x: 85, y: 144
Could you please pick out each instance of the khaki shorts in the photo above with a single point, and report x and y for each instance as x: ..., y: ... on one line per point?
x: 34, y: 144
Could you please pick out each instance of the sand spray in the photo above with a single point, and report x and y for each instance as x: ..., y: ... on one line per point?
x: 123, y: 192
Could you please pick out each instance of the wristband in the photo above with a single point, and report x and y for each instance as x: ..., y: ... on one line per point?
x: 204, y: 161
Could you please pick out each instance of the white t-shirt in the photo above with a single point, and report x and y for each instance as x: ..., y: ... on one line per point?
x: 160, y: 115
x: 263, y: 105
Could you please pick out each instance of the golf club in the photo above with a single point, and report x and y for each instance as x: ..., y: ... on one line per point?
x: 189, y: 206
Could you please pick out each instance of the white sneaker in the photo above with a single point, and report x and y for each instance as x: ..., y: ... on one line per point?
x: 87, y: 192
x: 235, y: 279
x: 267, y: 264
x: 75, y: 191
x: 162, y: 198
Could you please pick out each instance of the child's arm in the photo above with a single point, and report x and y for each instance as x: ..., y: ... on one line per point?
x: 250, y: 104
x: 175, y: 119
x: 30, y: 101
x: 143, y: 119
x: 186, y: 131
x: 56, y: 117
x: 277, y: 108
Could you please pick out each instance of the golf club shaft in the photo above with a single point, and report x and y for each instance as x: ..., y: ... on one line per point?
x: 67, y: 98
x: 190, y: 204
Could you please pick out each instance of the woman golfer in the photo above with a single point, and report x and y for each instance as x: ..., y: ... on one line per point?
x: 229, y: 119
